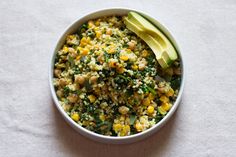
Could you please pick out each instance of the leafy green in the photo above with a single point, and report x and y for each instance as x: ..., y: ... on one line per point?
x: 146, y: 89
x: 78, y: 92
x: 91, y: 34
x: 132, y: 119
x: 66, y: 91
x: 104, y: 126
x: 158, y: 117
x: 87, y: 85
x: 84, y: 27
x: 71, y: 61
x: 129, y: 92
x: 106, y: 55
x: 175, y: 83
x: 151, y: 90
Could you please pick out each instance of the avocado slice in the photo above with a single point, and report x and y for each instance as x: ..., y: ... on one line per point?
x: 167, y: 48
x: 161, y: 56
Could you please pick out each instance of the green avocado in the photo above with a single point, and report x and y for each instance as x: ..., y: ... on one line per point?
x: 151, y: 42
x: 158, y: 42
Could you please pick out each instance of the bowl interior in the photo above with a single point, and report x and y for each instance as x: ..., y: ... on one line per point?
x: 102, y: 138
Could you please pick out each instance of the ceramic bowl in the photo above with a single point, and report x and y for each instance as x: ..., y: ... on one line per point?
x: 98, y: 137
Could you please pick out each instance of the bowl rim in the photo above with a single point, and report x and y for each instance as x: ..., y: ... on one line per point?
x: 100, y: 137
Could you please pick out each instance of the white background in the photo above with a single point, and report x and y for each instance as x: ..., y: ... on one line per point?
x: 205, y: 122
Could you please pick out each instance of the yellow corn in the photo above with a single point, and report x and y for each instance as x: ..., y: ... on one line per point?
x: 150, y: 109
x: 134, y: 67
x: 88, y: 40
x: 111, y: 50
x: 170, y: 92
x: 83, y: 41
x: 96, y: 28
x: 98, y: 34
x: 151, y: 96
x: 146, y: 101
x: 112, y: 63
x: 138, y: 127
x: 97, y: 23
x: 84, y: 51
x: 70, y: 37
x: 166, y: 106
x: 117, y: 127
x: 120, y: 70
x: 65, y: 49
x: 126, y: 128
x: 75, y: 117
x: 163, y: 98
x: 92, y: 98
x: 90, y: 24
x: 102, y: 117
x: 124, y: 58
x: 78, y: 57
x: 144, y: 53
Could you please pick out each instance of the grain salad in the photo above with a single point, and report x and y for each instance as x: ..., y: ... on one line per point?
x: 108, y: 80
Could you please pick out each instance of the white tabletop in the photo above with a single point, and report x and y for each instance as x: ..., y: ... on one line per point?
x: 205, y: 122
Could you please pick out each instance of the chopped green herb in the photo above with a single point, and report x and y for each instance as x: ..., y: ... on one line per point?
x: 132, y: 119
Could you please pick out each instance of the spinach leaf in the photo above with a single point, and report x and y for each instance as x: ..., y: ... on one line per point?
x: 132, y: 119
x: 66, y: 91
x: 87, y: 85
x: 71, y: 61
x: 175, y: 83
x: 106, y: 55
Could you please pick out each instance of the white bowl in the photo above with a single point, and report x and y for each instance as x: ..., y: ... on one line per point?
x: 98, y: 137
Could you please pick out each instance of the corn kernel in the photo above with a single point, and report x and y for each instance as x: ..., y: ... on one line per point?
x: 170, y: 92
x: 98, y: 34
x: 112, y: 63
x: 126, y: 128
x: 78, y: 57
x: 83, y: 40
x: 88, y: 40
x: 84, y: 52
x: 166, y: 106
x: 102, y: 117
x: 111, y: 50
x: 150, y: 109
x: 65, y: 49
x: 163, y: 98
x: 134, y: 67
x: 120, y: 70
x: 71, y: 36
x: 75, y: 117
x: 122, y: 133
x: 151, y: 96
x: 92, y: 98
x: 124, y: 58
x: 90, y: 24
x: 146, y: 101
x: 97, y: 23
x: 117, y: 127
x: 144, y: 53
x: 138, y: 127
x: 96, y: 28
